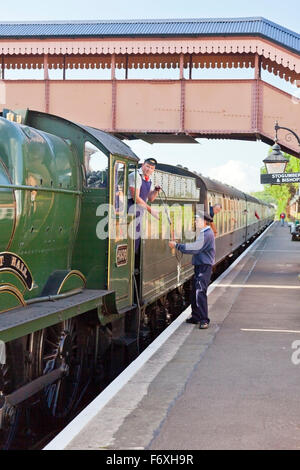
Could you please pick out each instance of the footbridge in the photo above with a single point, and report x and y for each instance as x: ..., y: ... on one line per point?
x: 132, y: 105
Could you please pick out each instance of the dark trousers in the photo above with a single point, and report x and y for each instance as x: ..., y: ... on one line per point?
x: 199, y: 292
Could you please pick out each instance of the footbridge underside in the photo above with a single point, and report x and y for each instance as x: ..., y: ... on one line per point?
x: 166, y: 110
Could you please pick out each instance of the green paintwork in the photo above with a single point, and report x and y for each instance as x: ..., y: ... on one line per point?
x: 41, y: 167
x: 72, y: 282
x: 90, y: 253
x: 9, y: 300
x: 8, y: 278
x: 7, y: 210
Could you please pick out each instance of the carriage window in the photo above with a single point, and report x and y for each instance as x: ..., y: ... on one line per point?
x: 96, y: 166
x: 219, y: 223
x: 225, y: 221
x: 119, y: 194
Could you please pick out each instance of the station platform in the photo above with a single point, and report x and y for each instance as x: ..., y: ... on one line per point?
x: 232, y: 386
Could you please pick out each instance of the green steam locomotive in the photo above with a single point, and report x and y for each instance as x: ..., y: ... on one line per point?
x: 71, y: 306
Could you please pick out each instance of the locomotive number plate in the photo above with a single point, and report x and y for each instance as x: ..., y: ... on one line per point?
x: 121, y: 255
x: 12, y: 262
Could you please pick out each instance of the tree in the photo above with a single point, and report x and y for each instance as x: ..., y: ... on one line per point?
x: 281, y: 194
x: 263, y: 196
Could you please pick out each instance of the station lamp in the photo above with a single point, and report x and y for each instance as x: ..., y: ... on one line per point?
x: 276, y: 161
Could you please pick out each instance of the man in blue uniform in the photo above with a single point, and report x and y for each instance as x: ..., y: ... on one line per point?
x: 203, y: 251
x: 141, y: 191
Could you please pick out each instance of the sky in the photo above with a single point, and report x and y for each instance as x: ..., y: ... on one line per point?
x: 233, y: 162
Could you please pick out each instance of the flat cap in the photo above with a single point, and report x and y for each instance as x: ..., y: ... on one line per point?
x: 204, y: 215
x: 151, y: 161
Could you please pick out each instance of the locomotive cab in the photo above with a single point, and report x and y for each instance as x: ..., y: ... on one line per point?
x: 103, y: 250
x: 104, y: 237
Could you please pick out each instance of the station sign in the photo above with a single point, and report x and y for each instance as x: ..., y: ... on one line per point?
x: 280, y: 178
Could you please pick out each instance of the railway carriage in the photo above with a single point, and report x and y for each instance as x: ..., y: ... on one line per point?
x: 242, y: 216
x: 71, y: 304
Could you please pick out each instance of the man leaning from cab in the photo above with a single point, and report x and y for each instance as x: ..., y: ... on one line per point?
x: 139, y: 189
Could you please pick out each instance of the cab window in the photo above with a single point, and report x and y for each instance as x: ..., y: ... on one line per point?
x: 96, y: 166
x: 119, y: 192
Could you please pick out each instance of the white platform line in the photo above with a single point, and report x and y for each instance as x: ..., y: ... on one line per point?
x: 258, y: 286
x: 237, y: 261
x: 280, y: 251
x: 266, y: 330
x: 64, y: 438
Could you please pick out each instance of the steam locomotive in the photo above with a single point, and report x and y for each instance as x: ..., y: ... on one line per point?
x: 71, y: 304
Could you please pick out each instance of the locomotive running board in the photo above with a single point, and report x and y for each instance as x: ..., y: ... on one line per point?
x: 22, y: 321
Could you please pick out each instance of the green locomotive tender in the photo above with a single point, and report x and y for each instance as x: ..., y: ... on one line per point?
x: 71, y: 305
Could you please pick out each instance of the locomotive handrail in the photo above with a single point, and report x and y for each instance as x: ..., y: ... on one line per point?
x: 39, y: 188
x: 46, y: 298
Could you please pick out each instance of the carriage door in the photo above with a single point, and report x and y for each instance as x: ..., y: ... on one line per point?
x: 120, y: 252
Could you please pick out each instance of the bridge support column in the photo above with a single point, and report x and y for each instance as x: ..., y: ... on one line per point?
x: 64, y: 68
x: 256, y: 108
x: 114, y: 91
x: 190, y: 67
x: 182, y: 94
x: 126, y: 67
x: 257, y: 64
x: 47, y: 86
x: 2, y: 68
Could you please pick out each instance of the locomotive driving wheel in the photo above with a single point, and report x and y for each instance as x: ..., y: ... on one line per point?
x: 8, y: 415
x: 58, y: 347
x: 11, y: 376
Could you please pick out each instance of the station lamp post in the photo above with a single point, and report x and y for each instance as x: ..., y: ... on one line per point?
x: 276, y: 163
